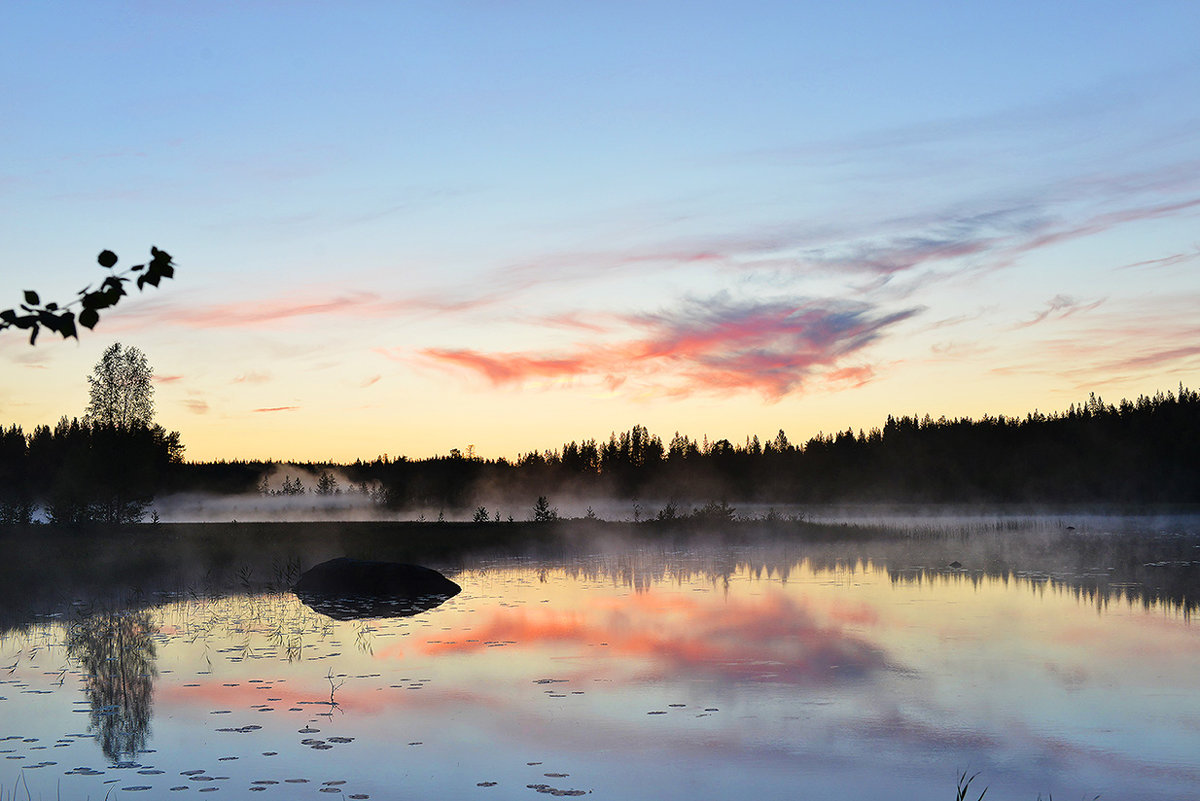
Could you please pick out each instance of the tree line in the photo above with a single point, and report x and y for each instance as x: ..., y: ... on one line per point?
x: 105, y: 468
x: 1141, y: 451
x: 85, y: 471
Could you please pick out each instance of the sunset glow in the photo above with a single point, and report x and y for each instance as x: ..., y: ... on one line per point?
x: 415, y: 227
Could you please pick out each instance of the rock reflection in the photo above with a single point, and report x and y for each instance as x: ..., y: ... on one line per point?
x: 359, y: 607
x: 117, y: 655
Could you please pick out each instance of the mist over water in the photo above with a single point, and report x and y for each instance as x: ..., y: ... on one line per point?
x: 352, y: 504
x: 208, y: 508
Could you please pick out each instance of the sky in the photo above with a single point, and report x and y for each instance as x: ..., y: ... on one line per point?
x: 406, y: 227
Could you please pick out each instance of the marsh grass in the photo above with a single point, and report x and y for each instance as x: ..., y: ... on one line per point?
x: 964, y: 787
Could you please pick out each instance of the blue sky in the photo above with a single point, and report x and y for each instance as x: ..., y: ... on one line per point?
x: 407, y: 227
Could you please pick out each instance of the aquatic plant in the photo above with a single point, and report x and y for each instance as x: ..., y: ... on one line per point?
x: 964, y: 786
x: 714, y: 511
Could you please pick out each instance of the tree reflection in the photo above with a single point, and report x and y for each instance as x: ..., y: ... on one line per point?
x: 116, y: 652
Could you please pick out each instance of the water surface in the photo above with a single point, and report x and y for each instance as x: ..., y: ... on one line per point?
x: 632, y: 672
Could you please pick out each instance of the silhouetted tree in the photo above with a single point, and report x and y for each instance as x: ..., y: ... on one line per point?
x: 94, y: 473
x: 543, y: 511
x: 327, y: 484
x: 16, y: 496
x: 120, y: 391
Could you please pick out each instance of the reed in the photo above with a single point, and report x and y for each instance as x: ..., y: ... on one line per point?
x: 964, y: 786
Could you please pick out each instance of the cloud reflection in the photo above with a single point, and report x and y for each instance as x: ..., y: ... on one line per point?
x: 777, y: 638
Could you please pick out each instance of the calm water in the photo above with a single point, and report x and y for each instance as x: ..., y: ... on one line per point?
x: 757, y: 671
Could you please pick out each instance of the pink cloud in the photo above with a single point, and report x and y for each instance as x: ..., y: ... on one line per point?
x: 855, y: 376
x: 167, y: 379
x: 277, y: 409
x: 505, y: 368
x: 1165, y: 261
x: 1045, y: 235
x: 249, y: 314
x: 286, y: 310
x: 715, y: 345
x: 1155, y: 336
x: 196, y: 406
x: 1155, y: 357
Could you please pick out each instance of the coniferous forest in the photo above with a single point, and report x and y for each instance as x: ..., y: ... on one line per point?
x: 1145, y: 451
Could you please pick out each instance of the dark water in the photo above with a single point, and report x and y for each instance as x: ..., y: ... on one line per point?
x: 1051, y: 661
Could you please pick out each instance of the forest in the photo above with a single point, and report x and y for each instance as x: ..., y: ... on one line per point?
x: 85, y: 471
x: 1133, y: 452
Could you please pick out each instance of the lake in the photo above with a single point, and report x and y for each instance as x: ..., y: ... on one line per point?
x: 768, y: 664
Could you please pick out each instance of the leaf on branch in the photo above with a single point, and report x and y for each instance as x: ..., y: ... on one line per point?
x: 48, y: 319
x: 110, y: 292
x: 63, y: 323
x: 66, y: 325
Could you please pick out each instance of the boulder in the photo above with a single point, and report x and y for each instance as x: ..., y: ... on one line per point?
x: 348, y: 589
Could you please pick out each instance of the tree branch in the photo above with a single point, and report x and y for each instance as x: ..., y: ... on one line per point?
x: 62, y: 320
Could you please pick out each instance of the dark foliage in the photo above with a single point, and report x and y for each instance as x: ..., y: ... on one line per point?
x: 35, y: 315
x: 83, y: 472
x: 1140, y: 452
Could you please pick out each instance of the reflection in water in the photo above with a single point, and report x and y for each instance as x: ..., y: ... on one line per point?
x: 358, y: 607
x: 116, y: 653
x: 650, y: 671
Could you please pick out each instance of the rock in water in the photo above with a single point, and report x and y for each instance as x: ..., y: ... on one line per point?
x: 348, y: 589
